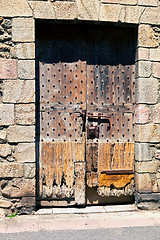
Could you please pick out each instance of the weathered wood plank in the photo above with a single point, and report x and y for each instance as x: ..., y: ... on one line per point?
x: 117, y: 156
x: 79, y: 148
x: 104, y: 156
x: 47, y: 168
x: 129, y: 156
x: 92, y: 164
x: 69, y: 168
x: 80, y: 183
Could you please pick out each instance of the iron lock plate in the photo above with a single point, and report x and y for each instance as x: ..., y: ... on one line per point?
x: 92, y: 132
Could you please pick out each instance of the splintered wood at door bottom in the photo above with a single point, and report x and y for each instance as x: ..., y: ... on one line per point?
x: 62, y: 171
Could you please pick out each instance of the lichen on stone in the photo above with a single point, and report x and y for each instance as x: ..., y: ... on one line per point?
x: 6, y: 44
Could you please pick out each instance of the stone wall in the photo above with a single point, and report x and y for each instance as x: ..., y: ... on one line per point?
x: 147, y: 118
x: 17, y: 91
x: 17, y: 119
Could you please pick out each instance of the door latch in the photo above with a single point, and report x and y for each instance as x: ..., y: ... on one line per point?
x: 93, y: 131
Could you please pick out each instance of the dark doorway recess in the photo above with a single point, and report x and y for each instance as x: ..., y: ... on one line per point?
x: 85, y: 84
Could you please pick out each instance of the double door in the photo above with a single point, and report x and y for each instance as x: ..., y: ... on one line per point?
x: 86, y: 112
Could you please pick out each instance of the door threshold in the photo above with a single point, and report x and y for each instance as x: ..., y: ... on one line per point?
x: 87, y: 210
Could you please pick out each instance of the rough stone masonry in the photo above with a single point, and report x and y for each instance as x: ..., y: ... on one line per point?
x: 17, y: 92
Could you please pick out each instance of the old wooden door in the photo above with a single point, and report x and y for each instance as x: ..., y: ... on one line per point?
x: 85, y: 104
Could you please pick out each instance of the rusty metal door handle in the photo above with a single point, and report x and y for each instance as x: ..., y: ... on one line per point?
x: 93, y: 131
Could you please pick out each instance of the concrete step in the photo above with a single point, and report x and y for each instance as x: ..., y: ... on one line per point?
x: 87, y: 210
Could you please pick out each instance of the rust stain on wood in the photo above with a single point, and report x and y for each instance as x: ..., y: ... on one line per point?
x: 119, y: 181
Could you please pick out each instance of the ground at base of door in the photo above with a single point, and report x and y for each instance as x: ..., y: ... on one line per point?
x: 87, y: 210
